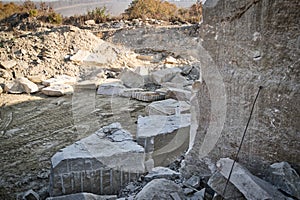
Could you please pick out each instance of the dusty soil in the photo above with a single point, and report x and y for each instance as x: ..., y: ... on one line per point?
x: 34, y: 127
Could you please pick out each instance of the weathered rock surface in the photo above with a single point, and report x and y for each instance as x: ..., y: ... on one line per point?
x: 164, y: 137
x: 100, y: 163
x: 58, y: 90
x: 179, y: 94
x: 162, y: 172
x: 84, y: 196
x: 164, y: 75
x: 168, y: 107
x: 285, y: 178
x: 251, y: 186
x: 159, y: 189
x: 21, y: 85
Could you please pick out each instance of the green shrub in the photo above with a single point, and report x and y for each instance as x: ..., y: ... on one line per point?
x: 33, y: 13
x: 54, y: 18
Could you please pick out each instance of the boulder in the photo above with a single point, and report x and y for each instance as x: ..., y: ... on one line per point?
x: 58, y: 90
x: 285, y: 178
x: 164, y: 137
x: 198, y: 195
x: 80, y: 56
x: 21, y: 85
x: 168, y: 107
x: 217, y: 182
x: 84, y: 196
x: 179, y: 94
x: 193, y: 181
x: 131, y: 79
x: 180, y: 81
x: 164, y: 75
x: 87, y: 84
x: 62, y: 79
x: 31, y: 195
x: 162, y: 172
x: 249, y: 185
x: 160, y: 189
x: 171, y: 60
x: 36, y: 79
x: 100, y: 163
x: 113, y: 88
x: 8, y: 64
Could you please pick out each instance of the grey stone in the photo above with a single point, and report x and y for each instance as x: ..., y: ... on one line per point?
x: 159, y: 189
x: 179, y: 94
x: 251, y: 186
x: 8, y: 64
x: 131, y: 79
x: 193, y: 181
x: 175, y: 196
x: 113, y: 88
x: 168, y: 107
x: 84, y: 196
x: 129, y: 92
x: 180, y: 81
x: 198, y: 195
x: 31, y: 195
x: 88, y: 84
x: 164, y: 75
x: 21, y: 85
x: 162, y: 172
x: 188, y: 191
x: 100, y: 163
x: 217, y: 182
x: 57, y: 90
x: 61, y: 79
x: 285, y: 178
x: 165, y: 137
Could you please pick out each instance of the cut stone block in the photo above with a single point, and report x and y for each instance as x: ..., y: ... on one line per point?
x: 128, y: 92
x: 251, y: 186
x: 58, y: 90
x: 101, y: 163
x: 168, y: 107
x: 87, y: 84
x: 164, y: 137
x: 164, y: 75
x: 147, y: 96
x: 84, y: 196
x: 113, y: 88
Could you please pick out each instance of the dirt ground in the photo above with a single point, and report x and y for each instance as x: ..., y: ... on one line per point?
x: 34, y: 127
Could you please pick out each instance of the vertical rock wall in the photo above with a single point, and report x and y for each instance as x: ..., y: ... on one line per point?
x: 253, y: 43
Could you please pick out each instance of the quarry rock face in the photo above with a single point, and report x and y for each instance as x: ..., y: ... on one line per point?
x: 248, y: 42
x: 99, y: 164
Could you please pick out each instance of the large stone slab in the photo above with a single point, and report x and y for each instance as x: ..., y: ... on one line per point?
x: 285, y: 178
x: 101, y: 163
x: 61, y: 79
x: 217, y: 182
x: 168, y: 107
x: 160, y: 189
x: 164, y: 137
x: 251, y: 186
x: 179, y: 94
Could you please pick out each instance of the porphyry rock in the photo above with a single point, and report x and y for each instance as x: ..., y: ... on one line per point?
x: 285, y: 178
x: 159, y: 189
x: 100, y: 163
x: 251, y: 186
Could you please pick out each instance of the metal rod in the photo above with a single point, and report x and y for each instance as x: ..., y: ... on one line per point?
x: 240, y: 146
